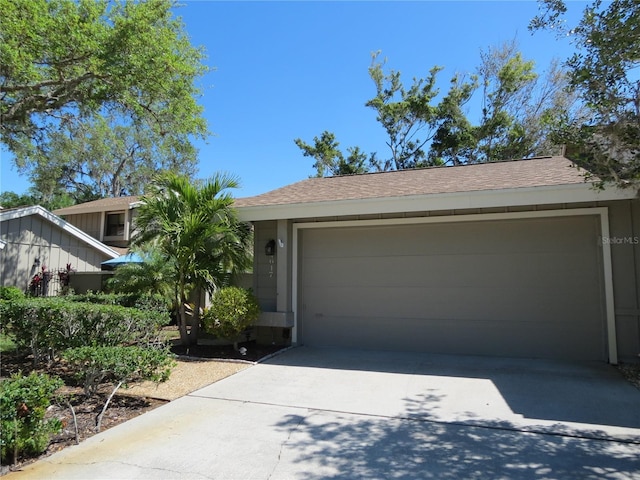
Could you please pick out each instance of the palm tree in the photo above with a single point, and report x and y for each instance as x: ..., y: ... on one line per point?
x: 194, y: 225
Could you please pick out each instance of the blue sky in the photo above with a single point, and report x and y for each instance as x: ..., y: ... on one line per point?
x: 286, y: 70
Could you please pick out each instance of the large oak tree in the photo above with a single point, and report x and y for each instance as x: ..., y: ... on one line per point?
x: 67, y: 65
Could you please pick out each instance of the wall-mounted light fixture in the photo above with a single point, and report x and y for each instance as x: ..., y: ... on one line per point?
x: 270, y: 248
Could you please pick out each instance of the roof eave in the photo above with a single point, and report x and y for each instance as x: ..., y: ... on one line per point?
x: 81, y: 208
x: 542, y: 195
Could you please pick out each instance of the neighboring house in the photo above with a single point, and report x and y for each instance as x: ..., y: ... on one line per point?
x: 517, y: 258
x: 108, y: 220
x: 32, y: 238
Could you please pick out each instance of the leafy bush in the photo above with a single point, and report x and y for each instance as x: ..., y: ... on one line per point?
x: 153, y: 276
x: 23, y: 403
x: 232, y: 311
x: 93, y: 365
x: 54, y: 324
x: 8, y: 294
x: 121, y: 365
x: 151, y: 302
x: 11, y: 293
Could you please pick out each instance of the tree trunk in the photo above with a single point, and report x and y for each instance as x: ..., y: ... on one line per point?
x: 182, y: 324
x: 104, y: 409
x: 195, y: 318
x: 195, y: 329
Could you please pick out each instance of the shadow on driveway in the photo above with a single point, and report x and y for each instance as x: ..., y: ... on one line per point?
x: 344, y: 446
x: 461, y: 417
x: 488, y: 388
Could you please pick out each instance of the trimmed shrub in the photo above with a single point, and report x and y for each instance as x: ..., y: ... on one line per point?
x: 11, y: 293
x: 23, y: 403
x: 120, y: 365
x: 8, y: 294
x: 93, y: 365
x: 53, y: 324
x: 153, y: 302
x: 233, y: 310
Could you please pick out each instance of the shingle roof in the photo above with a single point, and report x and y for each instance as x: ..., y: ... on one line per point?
x: 535, y: 172
x: 102, y: 205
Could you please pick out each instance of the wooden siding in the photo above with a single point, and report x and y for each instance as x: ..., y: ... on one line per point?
x: 33, y: 242
x: 265, y: 267
x: 90, y: 223
x: 624, y: 220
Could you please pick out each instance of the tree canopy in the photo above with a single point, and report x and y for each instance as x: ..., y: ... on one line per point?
x: 12, y: 200
x: 82, y: 81
x: 604, y: 72
x: 426, y: 128
x: 102, y: 156
x: 329, y: 158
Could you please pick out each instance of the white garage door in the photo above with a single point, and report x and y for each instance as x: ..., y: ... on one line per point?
x: 526, y: 288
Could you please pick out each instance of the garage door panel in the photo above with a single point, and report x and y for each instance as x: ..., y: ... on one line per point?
x: 519, y: 287
x: 563, y: 234
x: 455, y: 270
x: 521, y: 305
x: 446, y: 337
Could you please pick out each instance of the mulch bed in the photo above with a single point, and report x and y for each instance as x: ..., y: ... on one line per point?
x: 254, y: 352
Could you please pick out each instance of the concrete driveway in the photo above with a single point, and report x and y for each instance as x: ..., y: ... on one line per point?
x: 324, y: 413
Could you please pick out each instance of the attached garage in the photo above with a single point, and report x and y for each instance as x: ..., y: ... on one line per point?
x: 522, y: 288
x: 516, y: 259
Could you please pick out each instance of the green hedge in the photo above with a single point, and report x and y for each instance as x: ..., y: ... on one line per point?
x: 49, y: 325
x: 131, y: 300
x: 11, y: 293
x: 92, y: 365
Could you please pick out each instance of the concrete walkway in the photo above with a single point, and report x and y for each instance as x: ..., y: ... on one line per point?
x: 325, y: 413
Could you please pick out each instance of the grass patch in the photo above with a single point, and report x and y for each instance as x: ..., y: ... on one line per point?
x: 170, y: 334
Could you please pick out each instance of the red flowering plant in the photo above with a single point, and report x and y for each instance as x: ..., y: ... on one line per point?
x: 64, y: 277
x: 40, y: 282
